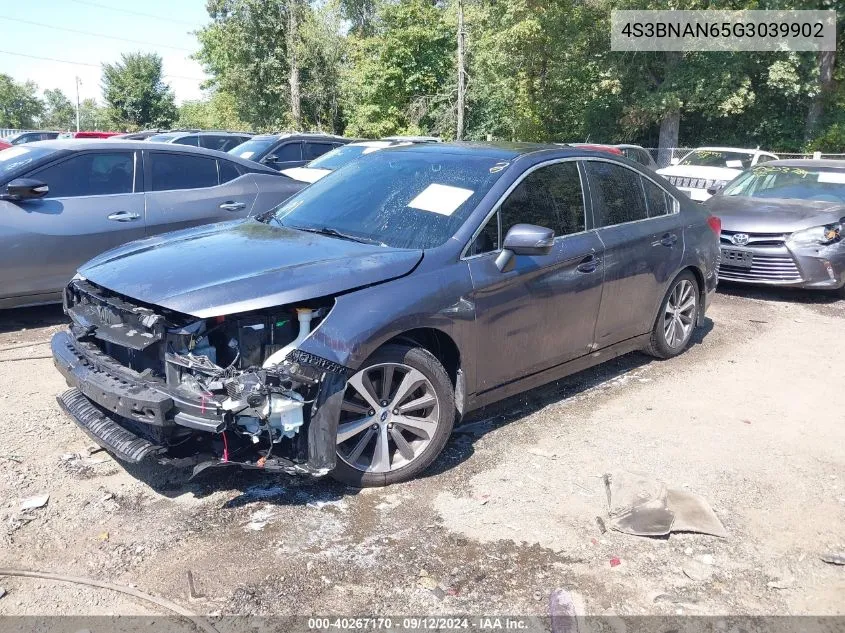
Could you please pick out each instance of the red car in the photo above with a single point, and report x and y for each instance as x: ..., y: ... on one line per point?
x: 89, y: 134
x: 610, y: 149
x: 4, y: 145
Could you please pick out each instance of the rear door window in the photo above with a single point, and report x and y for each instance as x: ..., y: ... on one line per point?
x: 616, y: 192
x: 311, y: 151
x: 181, y: 171
x: 192, y: 140
x: 222, y: 143
x: 90, y: 174
x: 657, y: 199
x: 550, y: 197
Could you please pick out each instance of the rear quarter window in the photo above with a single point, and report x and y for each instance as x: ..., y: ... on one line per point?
x: 228, y: 171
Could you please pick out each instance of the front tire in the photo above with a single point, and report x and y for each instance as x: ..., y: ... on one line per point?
x: 397, y: 414
x: 677, y: 317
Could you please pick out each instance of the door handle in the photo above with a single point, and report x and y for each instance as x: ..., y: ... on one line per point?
x: 233, y: 206
x: 668, y: 239
x: 123, y: 216
x: 588, y: 264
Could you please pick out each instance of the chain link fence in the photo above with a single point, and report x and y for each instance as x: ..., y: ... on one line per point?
x: 9, y: 131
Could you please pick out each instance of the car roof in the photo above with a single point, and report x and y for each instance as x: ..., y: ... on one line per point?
x: 807, y: 162
x: 413, y: 139
x: 180, y: 133
x: 316, y: 136
x: 499, y: 150
x: 79, y: 144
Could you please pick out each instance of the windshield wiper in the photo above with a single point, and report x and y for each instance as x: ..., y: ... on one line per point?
x: 327, y: 230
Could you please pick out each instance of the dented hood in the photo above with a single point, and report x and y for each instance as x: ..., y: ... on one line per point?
x: 239, y: 266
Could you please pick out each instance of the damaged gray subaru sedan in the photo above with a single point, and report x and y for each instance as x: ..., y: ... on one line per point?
x: 344, y: 332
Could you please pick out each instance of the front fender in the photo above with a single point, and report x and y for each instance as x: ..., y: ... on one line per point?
x: 361, y: 321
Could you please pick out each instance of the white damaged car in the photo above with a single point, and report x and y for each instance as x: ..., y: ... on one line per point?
x: 711, y: 168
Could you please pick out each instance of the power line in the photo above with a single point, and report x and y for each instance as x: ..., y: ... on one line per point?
x: 50, y: 59
x: 72, y: 63
x: 130, y: 12
x: 109, y: 37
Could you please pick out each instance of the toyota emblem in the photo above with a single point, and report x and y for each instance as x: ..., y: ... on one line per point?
x: 740, y: 239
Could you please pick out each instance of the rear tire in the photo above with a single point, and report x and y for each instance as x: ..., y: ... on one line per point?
x: 677, y: 317
x: 397, y: 415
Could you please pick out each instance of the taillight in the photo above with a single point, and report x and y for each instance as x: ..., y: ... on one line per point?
x: 715, y: 224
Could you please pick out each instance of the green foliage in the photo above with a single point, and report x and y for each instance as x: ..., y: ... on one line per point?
x: 20, y: 106
x: 59, y: 112
x: 93, y: 116
x: 219, y: 111
x: 400, y: 78
x: 136, y: 94
x: 244, y: 49
x: 538, y: 70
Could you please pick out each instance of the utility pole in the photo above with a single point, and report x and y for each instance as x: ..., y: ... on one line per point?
x: 293, y: 41
x: 462, y: 86
x: 78, y: 81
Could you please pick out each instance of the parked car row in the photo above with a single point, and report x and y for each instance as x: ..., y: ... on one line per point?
x: 782, y: 220
x: 485, y: 270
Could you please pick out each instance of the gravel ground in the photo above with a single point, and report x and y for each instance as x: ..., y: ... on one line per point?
x: 751, y: 418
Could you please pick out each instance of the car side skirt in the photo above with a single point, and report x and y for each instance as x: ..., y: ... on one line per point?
x: 557, y: 372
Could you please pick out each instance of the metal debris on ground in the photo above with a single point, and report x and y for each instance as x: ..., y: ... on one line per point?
x: 192, y: 591
x: 640, y: 505
x: 834, y: 558
x: 38, y: 501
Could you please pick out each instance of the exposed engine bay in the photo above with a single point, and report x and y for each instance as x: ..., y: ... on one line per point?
x: 203, y: 392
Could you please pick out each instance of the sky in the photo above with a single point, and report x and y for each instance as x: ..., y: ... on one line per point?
x: 161, y: 26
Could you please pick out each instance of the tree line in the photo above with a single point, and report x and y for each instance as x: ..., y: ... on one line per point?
x: 531, y: 70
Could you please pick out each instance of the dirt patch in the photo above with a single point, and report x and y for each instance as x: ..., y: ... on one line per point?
x: 750, y: 418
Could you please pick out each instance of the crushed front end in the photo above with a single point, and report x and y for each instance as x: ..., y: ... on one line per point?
x: 148, y: 382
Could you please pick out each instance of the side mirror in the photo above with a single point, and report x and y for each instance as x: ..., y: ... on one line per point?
x: 675, y: 161
x: 25, y: 189
x: 714, y: 189
x: 270, y: 158
x: 524, y: 239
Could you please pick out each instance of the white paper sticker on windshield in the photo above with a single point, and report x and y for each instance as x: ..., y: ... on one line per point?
x: 441, y: 199
x: 246, y: 154
x: 733, y: 164
x: 837, y: 177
